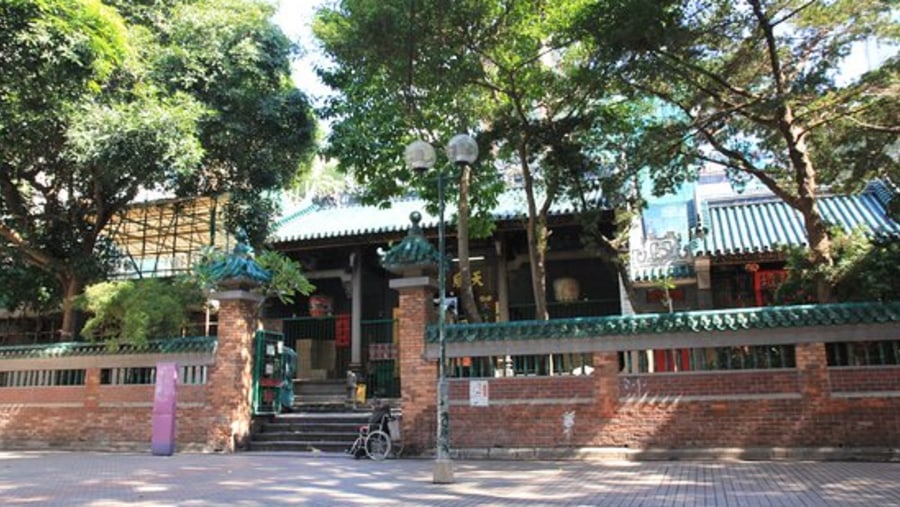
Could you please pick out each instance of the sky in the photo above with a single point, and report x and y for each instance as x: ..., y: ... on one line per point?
x: 294, y: 17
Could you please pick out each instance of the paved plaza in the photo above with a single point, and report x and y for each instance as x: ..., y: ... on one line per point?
x: 254, y: 479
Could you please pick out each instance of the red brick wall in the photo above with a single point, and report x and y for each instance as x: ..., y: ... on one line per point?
x: 211, y: 417
x: 686, y: 410
x: 95, y: 416
x: 807, y: 406
x: 856, y: 379
x: 710, y: 383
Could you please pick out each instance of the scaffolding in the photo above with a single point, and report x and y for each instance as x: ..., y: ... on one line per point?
x: 166, y: 237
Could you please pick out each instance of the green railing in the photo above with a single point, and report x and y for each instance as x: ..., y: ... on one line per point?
x: 516, y: 366
x: 874, y: 353
x: 42, y: 378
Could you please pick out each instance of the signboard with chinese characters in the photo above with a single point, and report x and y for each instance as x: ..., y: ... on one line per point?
x: 479, y: 395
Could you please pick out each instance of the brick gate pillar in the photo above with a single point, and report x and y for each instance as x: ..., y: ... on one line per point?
x: 230, y: 379
x: 418, y: 376
x: 415, y: 259
x: 812, y: 363
x: 606, y: 382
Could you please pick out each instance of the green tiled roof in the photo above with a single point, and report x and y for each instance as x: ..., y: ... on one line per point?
x: 650, y: 274
x: 179, y: 345
x: 239, y: 266
x: 413, y: 252
x: 746, y: 225
x: 696, y: 321
x: 312, y: 221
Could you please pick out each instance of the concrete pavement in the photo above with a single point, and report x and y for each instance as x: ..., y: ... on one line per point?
x: 256, y: 479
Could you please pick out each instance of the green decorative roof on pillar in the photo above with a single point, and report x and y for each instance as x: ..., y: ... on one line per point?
x: 414, y: 253
x: 238, y: 270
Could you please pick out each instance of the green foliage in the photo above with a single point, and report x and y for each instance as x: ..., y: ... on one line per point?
x: 429, y: 70
x: 260, y: 135
x: 754, y: 88
x: 287, y: 277
x: 734, y: 78
x: 863, y: 270
x: 134, y: 311
x: 25, y: 287
x: 187, y: 97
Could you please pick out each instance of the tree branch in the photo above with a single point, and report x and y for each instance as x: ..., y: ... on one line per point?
x: 32, y: 256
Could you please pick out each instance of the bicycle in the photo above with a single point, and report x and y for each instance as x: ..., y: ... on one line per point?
x: 378, y: 440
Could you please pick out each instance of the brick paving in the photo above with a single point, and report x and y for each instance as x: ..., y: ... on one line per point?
x: 257, y: 479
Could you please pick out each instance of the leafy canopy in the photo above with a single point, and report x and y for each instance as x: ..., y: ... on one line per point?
x: 103, y: 101
x: 135, y: 311
x: 864, y: 270
x: 754, y: 86
x: 504, y: 70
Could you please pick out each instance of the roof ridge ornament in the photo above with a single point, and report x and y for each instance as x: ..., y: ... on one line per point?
x: 414, y: 255
x: 239, y: 269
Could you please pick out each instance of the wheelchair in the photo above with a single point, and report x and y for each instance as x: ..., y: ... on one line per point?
x: 378, y: 440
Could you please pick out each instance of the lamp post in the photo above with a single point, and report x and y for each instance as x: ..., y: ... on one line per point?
x: 420, y: 157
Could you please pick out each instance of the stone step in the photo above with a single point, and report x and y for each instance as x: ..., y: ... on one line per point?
x: 320, y: 387
x: 319, y: 398
x: 300, y: 446
x: 306, y: 436
x: 312, y: 427
x: 306, y: 431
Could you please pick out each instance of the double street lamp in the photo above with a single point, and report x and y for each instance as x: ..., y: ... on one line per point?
x: 420, y: 157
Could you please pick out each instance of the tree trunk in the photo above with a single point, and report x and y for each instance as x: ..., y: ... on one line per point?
x: 71, y: 286
x: 467, y: 293
x: 820, y: 249
x: 537, y: 241
x: 794, y: 136
x: 816, y: 229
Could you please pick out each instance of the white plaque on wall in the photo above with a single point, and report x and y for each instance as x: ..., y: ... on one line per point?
x: 478, y: 393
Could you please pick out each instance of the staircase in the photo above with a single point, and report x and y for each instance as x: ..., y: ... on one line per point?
x: 310, y: 431
x: 321, y: 419
x: 320, y: 395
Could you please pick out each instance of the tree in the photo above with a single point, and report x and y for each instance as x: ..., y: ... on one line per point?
x: 135, y: 311
x: 754, y: 87
x: 190, y: 98
x: 865, y: 269
x: 403, y: 68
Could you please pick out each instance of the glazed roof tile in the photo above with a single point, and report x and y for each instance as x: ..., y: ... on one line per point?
x: 695, y: 321
x: 414, y: 251
x: 653, y: 273
x: 313, y: 221
x: 177, y: 345
x: 748, y: 225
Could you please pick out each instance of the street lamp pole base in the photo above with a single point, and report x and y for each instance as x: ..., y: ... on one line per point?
x: 443, y: 472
